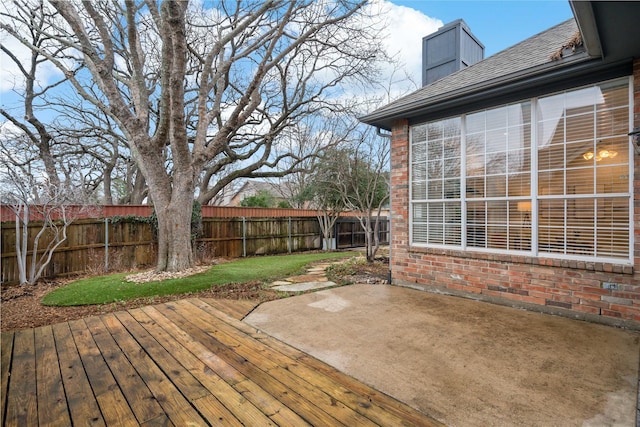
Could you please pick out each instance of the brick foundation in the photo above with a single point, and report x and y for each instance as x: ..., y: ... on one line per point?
x: 569, y: 288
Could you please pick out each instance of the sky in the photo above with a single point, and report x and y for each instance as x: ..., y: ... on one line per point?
x: 497, y: 24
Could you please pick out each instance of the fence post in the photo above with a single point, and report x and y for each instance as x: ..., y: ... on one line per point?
x: 289, y: 242
x: 244, y: 237
x: 106, y: 244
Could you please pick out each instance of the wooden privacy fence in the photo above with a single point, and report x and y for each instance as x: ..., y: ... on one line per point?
x: 125, y: 243
x: 99, y: 245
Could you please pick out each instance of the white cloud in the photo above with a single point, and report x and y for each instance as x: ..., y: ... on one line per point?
x: 406, y: 28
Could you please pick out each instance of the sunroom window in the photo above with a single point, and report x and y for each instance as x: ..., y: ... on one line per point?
x: 548, y: 176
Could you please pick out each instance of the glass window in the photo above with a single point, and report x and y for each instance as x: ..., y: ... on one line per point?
x: 581, y: 203
x: 435, y: 183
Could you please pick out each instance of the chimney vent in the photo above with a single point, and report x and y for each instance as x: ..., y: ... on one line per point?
x: 451, y: 48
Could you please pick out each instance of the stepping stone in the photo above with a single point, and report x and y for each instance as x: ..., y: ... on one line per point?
x: 303, y: 278
x: 305, y: 286
x: 280, y: 283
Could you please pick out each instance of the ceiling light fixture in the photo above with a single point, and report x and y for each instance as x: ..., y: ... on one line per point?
x: 602, y: 153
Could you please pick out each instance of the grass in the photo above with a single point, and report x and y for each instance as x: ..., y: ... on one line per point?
x: 114, y: 288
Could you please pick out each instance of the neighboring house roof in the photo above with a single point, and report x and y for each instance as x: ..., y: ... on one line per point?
x: 251, y: 188
x: 527, y: 66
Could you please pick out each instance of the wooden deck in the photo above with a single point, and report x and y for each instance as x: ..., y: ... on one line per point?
x: 183, y: 363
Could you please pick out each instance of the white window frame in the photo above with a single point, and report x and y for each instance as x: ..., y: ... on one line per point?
x: 534, y: 194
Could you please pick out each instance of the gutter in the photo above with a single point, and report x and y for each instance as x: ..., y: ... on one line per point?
x: 586, y: 20
x: 388, y: 136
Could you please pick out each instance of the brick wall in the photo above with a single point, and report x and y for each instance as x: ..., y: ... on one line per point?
x: 568, y: 288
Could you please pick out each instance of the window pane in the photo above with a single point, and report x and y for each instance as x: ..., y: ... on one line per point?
x: 452, y: 188
x: 497, y: 212
x: 451, y: 128
x: 418, y: 133
x: 518, y: 161
x: 453, y: 235
x: 612, y: 122
x: 496, y: 141
x: 580, y: 241
x: 434, y: 189
x: 475, y: 187
x: 613, y: 94
x: 434, y: 169
x: 498, y: 238
x: 580, y: 128
x: 452, y: 168
x: 519, y: 137
x: 418, y: 152
x: 434, y: 150
x: 496, y: 163
x: 580, y: 181
x: 551, y: 157
x: 551, y: 183
x: 496, y: 118
x: 476, y: 224
x: 519, y: 184
x: 475, y: 123
x: 452, y: 147
x: 475, y: 144
x: 475, y: 165
x: 434, y: 131
x: 419, y: 233
x: 580, y: 213
x: 497, y: 186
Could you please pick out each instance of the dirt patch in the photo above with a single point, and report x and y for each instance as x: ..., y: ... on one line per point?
x: 360, y: 271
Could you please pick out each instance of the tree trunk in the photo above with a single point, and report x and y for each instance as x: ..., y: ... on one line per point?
x: 174, y: 233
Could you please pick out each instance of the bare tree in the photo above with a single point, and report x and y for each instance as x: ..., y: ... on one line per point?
x: 36, y: 131
x: 72, y: 142
x: 362, y: 180
x: 307, y: 144
x: 322, y: 193
x: 52, y: 216
x: 194, y: 90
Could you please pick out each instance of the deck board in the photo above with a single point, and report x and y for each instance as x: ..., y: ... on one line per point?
x: 190, y: 362
x: 6, y: 350
x: 22, y: 407
x: 52, y: 408
x: 134, y: 389
x: 83, y: 407
x: 114, y: 407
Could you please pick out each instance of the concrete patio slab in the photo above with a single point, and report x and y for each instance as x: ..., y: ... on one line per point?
x: 464, y: 362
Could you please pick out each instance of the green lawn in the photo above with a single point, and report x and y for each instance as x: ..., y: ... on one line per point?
x: 114, y: 288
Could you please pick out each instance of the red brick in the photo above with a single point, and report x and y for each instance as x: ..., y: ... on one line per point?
x: 599, y: 291
x: 586, y: 309
x: 592, y: 303
x: 625, y: 309
x: 610, y: 313
x: 586, y: 295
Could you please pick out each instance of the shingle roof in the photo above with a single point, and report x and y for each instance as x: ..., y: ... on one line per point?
x: 528, y: 57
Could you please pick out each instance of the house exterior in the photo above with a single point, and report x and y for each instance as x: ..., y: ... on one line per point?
x: 516, y: 181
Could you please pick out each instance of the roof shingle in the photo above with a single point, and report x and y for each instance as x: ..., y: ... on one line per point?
x: 524, y: 58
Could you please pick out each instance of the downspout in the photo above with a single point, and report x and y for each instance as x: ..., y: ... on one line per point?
x: 388, y: 136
